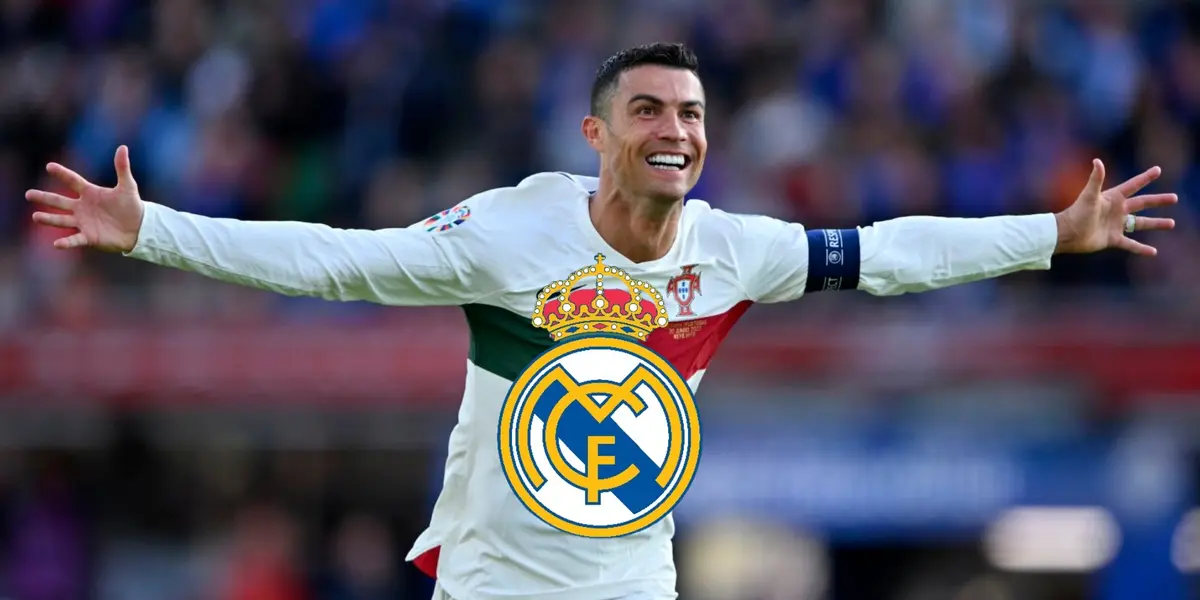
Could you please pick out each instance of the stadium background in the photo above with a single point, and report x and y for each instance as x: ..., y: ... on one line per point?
x: 167, y: 437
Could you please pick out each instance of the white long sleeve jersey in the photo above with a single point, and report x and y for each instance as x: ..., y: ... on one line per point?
x: 493, y: 252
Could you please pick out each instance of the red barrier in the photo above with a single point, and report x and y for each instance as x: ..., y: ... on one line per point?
x: 423, y: 362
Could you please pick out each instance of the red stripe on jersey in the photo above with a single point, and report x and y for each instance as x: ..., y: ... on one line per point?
x: 427, y: 562
x: 689, y: 345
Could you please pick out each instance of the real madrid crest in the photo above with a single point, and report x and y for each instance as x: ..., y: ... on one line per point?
x: 599, y: 436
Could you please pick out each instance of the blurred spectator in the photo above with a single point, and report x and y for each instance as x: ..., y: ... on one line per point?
x: 262, y: 560
x: 363, y: 562
x: 47, y: 547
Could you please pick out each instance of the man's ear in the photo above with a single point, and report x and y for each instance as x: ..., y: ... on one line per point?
x: 593, y: 128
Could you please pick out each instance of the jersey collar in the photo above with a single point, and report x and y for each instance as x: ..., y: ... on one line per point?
x: 585, y: 188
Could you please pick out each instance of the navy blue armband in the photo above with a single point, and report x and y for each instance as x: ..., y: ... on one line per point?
x: 833, y: 260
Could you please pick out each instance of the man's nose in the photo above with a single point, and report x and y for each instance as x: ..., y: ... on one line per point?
x: 672, y: 129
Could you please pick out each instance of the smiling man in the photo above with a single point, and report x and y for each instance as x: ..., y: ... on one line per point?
x: 647, y: 124
x: 493, y: 253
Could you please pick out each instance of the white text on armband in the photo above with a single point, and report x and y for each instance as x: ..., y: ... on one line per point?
x: 833, y: 260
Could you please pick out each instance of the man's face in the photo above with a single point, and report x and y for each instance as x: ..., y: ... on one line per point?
x: 654, y: 142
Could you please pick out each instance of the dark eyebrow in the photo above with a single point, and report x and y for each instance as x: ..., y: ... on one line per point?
x: 658, y: 101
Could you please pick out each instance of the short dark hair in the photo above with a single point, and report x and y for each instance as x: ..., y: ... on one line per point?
x: 676, y: 56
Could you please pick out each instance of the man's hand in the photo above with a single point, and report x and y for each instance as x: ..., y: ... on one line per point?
x: 104, y: 218
x: 1096, y: 221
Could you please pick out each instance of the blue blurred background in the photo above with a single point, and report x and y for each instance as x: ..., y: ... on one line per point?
x: 166, y: 437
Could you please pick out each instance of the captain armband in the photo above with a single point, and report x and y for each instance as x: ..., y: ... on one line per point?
x: 834, y: 258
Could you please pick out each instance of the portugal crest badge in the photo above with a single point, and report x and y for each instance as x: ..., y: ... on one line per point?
x: 684, y: 288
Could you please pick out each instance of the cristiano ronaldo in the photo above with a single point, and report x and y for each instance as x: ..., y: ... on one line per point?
x: 493, y: 252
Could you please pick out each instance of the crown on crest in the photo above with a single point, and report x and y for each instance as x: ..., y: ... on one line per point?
x: 634, y: 311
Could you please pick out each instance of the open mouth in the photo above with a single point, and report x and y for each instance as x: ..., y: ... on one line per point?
x: 665, y: 161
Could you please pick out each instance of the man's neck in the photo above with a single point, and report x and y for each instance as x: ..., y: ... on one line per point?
x: 640, y: 229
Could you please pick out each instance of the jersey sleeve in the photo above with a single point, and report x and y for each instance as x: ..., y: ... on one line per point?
x: 434, y: 262
x: 772, y: 259
x: 782, y: 261
x: 918, y: 254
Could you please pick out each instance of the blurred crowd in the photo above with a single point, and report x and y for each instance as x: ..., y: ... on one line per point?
x: 217, y: 524
x: 377, y: 113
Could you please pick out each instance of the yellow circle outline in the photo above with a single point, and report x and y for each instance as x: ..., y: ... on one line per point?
x: 608, y: 342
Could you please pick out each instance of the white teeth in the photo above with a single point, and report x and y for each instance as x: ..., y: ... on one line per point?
x: 676, y: 160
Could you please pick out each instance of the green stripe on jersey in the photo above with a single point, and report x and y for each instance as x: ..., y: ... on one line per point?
x: 503, y: 342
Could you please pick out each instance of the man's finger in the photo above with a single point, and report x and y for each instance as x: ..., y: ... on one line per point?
x: 1096, y: 182
x: 1136, y: 247
x: 70, y: 178
x: 51, y: 199
x: 56, y: 220
x: 124, y: 171
x: 1152, y: 224
x: 1135, y: 184
x: 71, y: 241
x: 1140, y: 203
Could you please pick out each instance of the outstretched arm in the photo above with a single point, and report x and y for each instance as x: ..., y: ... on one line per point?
x: 392, y: 266
x: 917, y: 254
